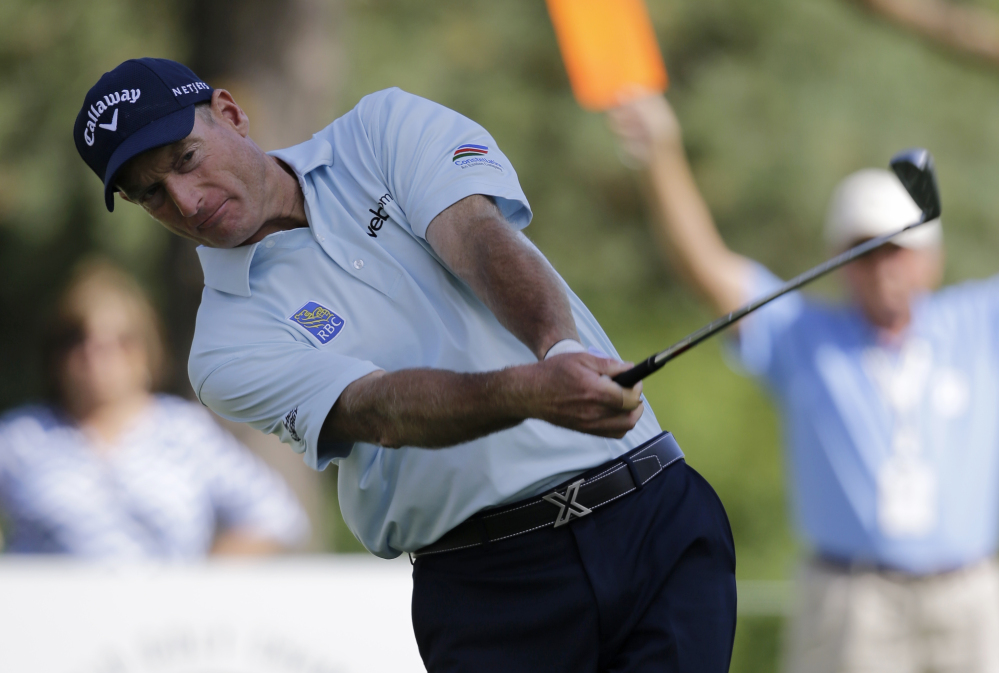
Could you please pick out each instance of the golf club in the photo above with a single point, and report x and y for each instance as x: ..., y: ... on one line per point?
x: 914, y: 168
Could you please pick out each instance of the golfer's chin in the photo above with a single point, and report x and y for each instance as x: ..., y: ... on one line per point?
x: 227, y: 235
x: 216, y: 239
x: 258, y: 235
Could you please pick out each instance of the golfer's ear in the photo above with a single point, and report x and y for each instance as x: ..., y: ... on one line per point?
x: 226, y: 110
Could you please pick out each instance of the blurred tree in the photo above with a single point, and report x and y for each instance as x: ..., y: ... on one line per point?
x: 51, y: 210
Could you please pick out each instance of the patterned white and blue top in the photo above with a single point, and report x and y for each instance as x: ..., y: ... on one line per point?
x: 175, y: 478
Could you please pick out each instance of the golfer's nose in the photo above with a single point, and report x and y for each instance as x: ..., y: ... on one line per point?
x: 185, y: 195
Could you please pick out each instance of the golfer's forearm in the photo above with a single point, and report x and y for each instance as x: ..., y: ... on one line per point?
x: 505, y: 272
x: 523, y: 291
x: 687, y: 233
x: 429, y: 408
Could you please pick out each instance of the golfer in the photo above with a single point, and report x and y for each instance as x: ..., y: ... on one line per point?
x: 888, y: 407
x: 370, y: 300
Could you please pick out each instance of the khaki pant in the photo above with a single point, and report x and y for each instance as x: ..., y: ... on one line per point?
x: 869, y: 621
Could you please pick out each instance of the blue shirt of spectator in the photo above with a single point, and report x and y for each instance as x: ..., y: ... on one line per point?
x: 893, y: 450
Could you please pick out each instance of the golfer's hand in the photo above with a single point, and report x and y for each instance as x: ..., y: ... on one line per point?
x: 644, y: 126
x: 575, y: 391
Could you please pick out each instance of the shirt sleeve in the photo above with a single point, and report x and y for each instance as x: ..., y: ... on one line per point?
x: 284, y: 388
x: 246, y: 494
x: 969, y: 305
x: 756, y: 346
x: 432, y: 157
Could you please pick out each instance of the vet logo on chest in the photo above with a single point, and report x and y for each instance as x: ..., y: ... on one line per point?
x: 319, y: 321
x: 380, y: 215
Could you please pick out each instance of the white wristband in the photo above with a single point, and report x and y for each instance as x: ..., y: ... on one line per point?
x: 565, y: 346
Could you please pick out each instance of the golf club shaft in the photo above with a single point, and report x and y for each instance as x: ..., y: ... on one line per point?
x: 656, y: 362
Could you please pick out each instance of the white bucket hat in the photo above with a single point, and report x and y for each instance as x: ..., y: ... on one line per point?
x: 872, y: 202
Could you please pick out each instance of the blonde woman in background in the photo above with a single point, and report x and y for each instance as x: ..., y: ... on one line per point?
x: 107, y: 469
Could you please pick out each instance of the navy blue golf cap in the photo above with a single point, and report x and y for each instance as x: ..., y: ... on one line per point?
x: 141, y: 104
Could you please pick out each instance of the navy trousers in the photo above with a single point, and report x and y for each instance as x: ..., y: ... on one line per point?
x: 645, y: 583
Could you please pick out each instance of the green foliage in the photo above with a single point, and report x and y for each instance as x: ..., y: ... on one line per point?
x: 779, y: 98
x: 757, y: 645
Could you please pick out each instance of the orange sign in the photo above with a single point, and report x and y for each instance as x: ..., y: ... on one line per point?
x: 609, y: 49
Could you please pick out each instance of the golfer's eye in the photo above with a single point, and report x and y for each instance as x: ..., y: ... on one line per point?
x: 184, y: 160
x: 151, y: 196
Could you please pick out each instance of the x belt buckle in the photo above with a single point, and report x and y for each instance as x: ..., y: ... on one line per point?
x: 567, y: 505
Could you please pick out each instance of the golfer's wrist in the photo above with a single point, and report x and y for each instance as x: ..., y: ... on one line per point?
x: 517, y: 391
x: 564, y: 346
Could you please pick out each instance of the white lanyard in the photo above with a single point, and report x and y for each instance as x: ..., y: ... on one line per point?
x: 907, y: 485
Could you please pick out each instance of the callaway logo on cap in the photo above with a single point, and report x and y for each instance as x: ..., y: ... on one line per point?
x: 141, y: 104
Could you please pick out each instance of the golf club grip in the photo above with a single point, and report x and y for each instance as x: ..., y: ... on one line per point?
x: 629, y: 378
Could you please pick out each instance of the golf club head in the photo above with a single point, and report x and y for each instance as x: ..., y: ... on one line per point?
x: 914, y: 167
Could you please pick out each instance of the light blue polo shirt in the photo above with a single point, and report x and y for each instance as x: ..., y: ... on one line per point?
x: 893, y: 449
x: 287, y: 323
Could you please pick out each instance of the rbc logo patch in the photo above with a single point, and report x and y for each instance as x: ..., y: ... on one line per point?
x: 320, y: 322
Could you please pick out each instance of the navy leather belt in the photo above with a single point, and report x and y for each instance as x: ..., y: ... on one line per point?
x: 571, y: 500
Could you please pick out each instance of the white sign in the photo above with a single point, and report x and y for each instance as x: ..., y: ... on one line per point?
x: 286, y: 615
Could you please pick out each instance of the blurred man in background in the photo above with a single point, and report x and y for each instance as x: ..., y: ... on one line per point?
x: 109, y: 470
x: 889, y: 413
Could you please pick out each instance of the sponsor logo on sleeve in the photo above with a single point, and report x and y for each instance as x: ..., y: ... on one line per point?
x: 289, y: 424
x: 469, y: 156
x: 318, y: 321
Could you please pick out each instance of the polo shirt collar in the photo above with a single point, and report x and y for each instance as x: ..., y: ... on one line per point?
x: 307, y: 156
x: 229, y: 270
